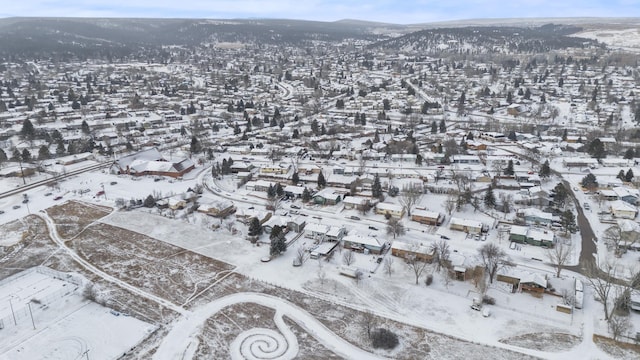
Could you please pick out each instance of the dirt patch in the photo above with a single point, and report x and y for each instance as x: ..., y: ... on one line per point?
x: 549, y: 341
x: 162, y: 269
x: 73, y: 216
x: 620, y: 350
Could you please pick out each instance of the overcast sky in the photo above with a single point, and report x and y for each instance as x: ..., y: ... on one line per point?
x: 392, y: 11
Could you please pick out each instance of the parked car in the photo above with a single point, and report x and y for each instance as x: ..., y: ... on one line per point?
x: 48, y: 194
x: 16, y: 207
x: 114, y: 182
x: 444, y: 237
x: 101, y: 192
x: 1, y: 212
x: 353, y: 217
x: 295, y: 206
x: 57, y: 198
x: 372, y: 228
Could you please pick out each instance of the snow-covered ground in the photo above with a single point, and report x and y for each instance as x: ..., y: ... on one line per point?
x: 60, y: 323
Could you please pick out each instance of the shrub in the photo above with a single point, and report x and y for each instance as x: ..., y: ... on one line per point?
x: 428, y: 279
x: 383, y: 338
x: 488, y: 300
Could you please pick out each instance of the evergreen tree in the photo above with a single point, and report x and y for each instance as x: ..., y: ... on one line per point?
x: 279, y: 189
x: 306, y: 195
x: 195, y: 147
x: 596, y: 149
x: 434, y: 127
x: 295, y: 178
x: 322, y: 182
x: 590, y: 182
x: 376, y: 188
x: 314, y: 127
x: 295, y: 134
x: 629, y: 154
x: 149, y: 201
x: 271, y: 192
x: 278, y: 244
x: 545, y: 170
x: 28, y: 131
x: 60, y: 150
x: 628, y: 177
x: 26, y: 155
x: 15, y: 155
x: 489, y: 198
x: 3, y: 157
x: 621, y: 175
x: 568, y: 221
x: 43, y: 153
x: 85, y: 127
x: 509, y: 170
x: 443, y: 126
x: 255, y: 229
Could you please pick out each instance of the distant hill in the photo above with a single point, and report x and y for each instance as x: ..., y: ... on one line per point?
x: 118, y: 37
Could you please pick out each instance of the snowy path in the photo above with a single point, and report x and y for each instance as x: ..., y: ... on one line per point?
x: 257, y: 343
x: 53, y: 233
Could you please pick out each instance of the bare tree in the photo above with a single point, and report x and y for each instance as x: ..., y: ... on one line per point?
x: 301, y: 255
x: 410, y: 196
x: 395, y: 227
x: 559, y: 256
x: 362, y: 164
x: 368, y: 322
x: 450, y: 203
x: 618, y: 325
x: 274, y: 203
x: 322, y: 275
x: 416, y: 265
x: 441, y: 253
x: 230, y: 227
x: 613, y: 236
x: 493, y: 259
x: 388, y: 265
x: 348, y: 258
x: 602, y: 281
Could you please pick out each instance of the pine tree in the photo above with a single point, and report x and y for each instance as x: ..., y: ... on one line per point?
x: 322, y: 182
x: 509, y: 170
x: 255, y: 229
x: 434, y: 127
x: 43, y: 153
x: 85, y: 127
x: 376, y: 188
x: 295, y: 178
x: 489, y: 198
x: 628, y: 177
x: 306, y: 195
x: 26, y: 155
x: 545, y: 170
x: 629, y: 154
x: 443, y: 126
x: 27, y: 131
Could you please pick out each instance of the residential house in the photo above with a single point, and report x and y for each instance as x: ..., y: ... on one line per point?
x: 364, y: 243
x: 316, y: 231
x: 394, y: 210
x: 296, y: 224
x: 419, y: 251
x: 427, y: 217
x: 623, y: 210
x: 335, y: 233
x: 355, y: 202
x: 531, y: 236
x: 217, y: 208
x: 521, y: 280
x: 293, y: 191
x: 327, y: 196
x: 535, y: 216
x: 466, y: 225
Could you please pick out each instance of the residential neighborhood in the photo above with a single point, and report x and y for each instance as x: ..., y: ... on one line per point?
x: 472, y: 182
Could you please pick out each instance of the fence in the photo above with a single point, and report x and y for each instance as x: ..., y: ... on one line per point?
x: 20, y: 307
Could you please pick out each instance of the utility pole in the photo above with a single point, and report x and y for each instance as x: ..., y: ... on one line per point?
x: 31, y: 313
x: 12, y: 312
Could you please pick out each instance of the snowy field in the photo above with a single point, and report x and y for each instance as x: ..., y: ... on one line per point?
x: 67, y: 326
